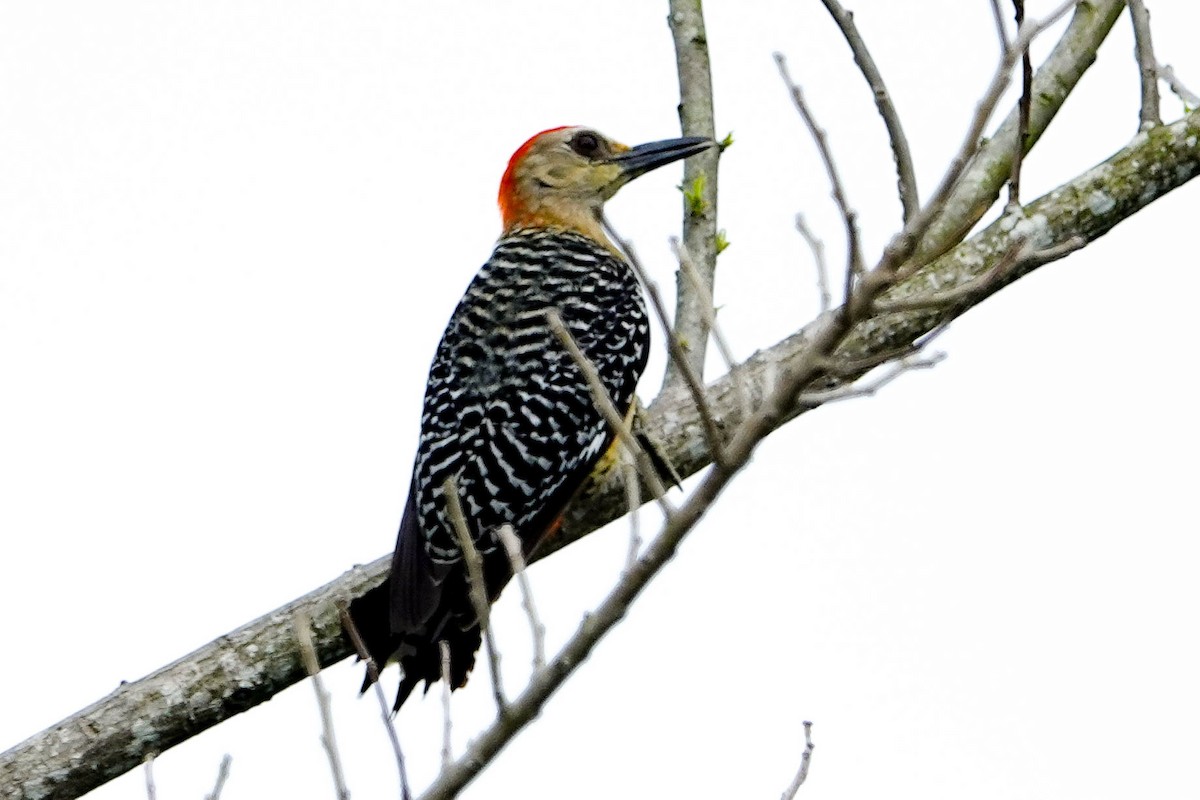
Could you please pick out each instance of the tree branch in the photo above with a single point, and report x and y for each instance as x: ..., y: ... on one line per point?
x: 854, y: 257
x: 255, y: 662
x: 906, y: 178
x: 686, y: 19
x: 1148, y: 116
x: 992, y: 165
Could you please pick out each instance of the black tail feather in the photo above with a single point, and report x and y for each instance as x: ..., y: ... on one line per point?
x: 369, y: 613
x: 420, y: 656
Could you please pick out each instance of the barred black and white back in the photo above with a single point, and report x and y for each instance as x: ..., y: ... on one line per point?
x: 508, y: 414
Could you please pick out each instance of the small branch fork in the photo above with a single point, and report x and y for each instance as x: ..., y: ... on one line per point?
x: 854, y: 256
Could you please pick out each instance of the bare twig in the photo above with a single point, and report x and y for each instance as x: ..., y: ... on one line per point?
x: 385, y: 711
x: 512, y: 546
x: 328, y: 739
x: 998, y: 18
x: 222, y: 776
x: 447, y: 724
x: 1020, y: 256
x: 704, y: 297
x: 1020, y: 249
x: 478, y: 588
x: 1023, y: 106
x: 906, y: 178
x: 633, y: 498
x: 854, y: 257
x: 846, y: 371
x: 870, y: 388
x: 688, y: 268
x: 151, y: 790
x: 805, y: 759
x: 604, y: 405
x: 686, y: 20
x: 1167, y: 73
x: 691, y: 378
x: 1143, y: 47
x: 818, y: 251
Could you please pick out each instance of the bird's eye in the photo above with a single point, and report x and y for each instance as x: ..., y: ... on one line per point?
x: 586, y: 143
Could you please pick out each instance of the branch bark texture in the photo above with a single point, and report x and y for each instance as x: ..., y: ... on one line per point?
x: 686, y: 19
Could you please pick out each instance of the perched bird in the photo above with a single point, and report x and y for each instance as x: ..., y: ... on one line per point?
x: 508, y: 413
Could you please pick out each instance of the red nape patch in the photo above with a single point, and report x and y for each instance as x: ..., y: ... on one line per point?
x: 506, y: 197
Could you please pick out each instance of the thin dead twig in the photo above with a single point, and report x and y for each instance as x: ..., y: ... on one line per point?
x: 1143, y: 48
x: 312, y: 666
x: 906, y: 178
x: 805, y: 760
x: 151, y: 790
x: 447, y: 724
x: 1167, y: 73
x: 633, y: 498
x: 704, y: 298
x: 1023, y: 108
x: 818, y: 250
x: 222, y: 776
x: 678, y: 357
x: 605, y: 406
x: 512, y: 546
x: 477, y: 590
x: 1021, y: 255
x: 998, y: 18
x: 385, y: 712
x: 854, y: 256
x: 873, y: 387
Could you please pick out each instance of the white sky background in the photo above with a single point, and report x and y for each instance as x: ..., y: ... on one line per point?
x: 231, y: 234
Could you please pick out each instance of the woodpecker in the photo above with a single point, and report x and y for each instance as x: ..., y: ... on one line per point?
x: 508, y: 414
